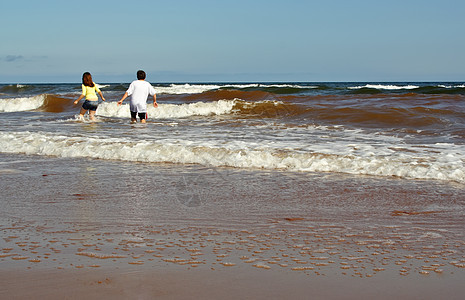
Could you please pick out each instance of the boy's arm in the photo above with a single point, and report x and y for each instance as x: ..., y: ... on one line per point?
x: 155, y: 104
x: 122, y: 99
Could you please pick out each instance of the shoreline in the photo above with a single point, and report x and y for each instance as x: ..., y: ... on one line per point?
x: 173, y: 231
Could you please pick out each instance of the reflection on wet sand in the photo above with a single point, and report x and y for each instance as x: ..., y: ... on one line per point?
x: 323, y: 249
x: 101, y: 217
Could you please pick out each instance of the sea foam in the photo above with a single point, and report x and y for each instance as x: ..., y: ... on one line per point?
x: 385, y: 87
x: 21, y: 104
x: 231, y: 155
x: 164, y: 111
x: 177, y: 89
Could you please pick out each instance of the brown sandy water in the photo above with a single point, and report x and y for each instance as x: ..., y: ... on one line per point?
x: 133, y: 229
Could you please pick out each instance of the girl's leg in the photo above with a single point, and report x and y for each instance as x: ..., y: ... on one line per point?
x: 92, y: 115
x: 82, y: 113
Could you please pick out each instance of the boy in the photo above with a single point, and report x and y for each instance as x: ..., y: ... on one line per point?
x: 139, y: 90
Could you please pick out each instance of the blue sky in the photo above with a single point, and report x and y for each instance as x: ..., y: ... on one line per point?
x: 199, y: 41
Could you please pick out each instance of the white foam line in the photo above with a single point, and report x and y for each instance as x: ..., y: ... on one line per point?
x: 385, y: 87
x: 186, y: 152
x: 168, y: 111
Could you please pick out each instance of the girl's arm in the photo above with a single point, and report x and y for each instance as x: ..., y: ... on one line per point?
x: 79, y: 99
x: 83, y: 94
x: 101, y: 96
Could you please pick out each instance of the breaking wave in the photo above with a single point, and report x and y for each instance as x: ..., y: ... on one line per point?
x: 264, y: 157
x: 265, y: 108
x: 385, y: 87
x: 21, y: 104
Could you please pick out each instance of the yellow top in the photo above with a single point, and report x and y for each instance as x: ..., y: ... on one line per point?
x: 90, y: 92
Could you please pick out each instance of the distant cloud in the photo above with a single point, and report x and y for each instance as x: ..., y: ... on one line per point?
x: 39, y: 57
x: 16, y: 58
x: 11, y: 58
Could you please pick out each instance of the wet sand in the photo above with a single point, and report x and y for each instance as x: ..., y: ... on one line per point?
x: 74, y: 228
x: 241, y: 283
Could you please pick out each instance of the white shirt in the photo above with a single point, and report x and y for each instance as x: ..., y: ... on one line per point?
x: 139, y: 90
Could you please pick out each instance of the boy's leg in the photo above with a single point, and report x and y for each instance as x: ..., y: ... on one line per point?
x: 133, y: 117
x: 143, y: 117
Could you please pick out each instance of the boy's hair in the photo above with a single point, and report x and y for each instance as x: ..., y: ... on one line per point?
x: 87, y: 79
x: 140, y: 75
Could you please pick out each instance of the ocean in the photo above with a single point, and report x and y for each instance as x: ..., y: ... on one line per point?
x: 404, y: 130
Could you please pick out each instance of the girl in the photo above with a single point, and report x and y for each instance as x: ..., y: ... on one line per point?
x: 89, y: 89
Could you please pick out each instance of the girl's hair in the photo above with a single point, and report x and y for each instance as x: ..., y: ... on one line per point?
x: 87, y: 79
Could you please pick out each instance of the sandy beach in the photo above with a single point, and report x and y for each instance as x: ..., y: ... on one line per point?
x: 231, y: 283
x: 75, y: 228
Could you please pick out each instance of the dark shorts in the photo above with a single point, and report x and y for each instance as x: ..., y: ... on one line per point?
x: 90, y: 105
x: 142, y: 116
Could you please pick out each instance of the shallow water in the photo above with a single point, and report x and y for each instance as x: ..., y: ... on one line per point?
x: 82, y: 213
x: 407, y: 130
